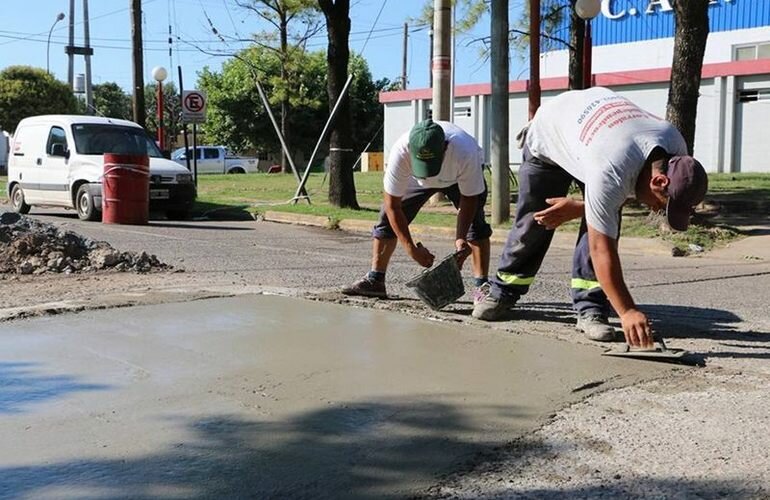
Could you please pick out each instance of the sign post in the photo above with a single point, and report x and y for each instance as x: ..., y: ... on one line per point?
x: 194, y: 111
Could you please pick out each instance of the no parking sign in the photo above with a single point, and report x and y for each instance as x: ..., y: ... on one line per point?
x: 194, y: 106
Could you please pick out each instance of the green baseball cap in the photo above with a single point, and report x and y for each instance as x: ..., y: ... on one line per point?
x: 426, y: 148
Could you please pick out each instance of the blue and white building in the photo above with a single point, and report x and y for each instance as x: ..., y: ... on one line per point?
x: 632, y: 53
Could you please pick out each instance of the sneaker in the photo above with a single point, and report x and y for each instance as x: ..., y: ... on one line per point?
x: 366, y: 287
x: 596, y: 327
x: 491, y: 309
x: 480, y: 293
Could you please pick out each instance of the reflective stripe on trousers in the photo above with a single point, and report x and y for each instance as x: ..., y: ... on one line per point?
x: 513, y: 279
x: 582, y: 284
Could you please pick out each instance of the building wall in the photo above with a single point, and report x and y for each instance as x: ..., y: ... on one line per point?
x: 651, y: 54
x: 632, y: 53
x: 752, y: 147
x: 731, y: 118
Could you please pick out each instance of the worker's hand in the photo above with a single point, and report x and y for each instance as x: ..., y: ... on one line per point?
x: 421, y: 255
x: 463, y: 251
x: 561, y: 210
x: 637, y: 329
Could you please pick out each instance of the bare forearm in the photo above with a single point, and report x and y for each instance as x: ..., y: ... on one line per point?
x: 606, y: 261
x: 467, y: 211
x: 400, y: 226
x: 610, y: 275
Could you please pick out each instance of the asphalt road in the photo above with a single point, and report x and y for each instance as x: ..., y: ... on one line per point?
x: 694, y: 432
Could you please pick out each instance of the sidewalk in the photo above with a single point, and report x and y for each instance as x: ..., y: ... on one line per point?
x: 755, y: 246
x: 562, y: 240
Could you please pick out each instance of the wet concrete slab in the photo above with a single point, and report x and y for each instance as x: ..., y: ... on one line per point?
x: 270, y: 397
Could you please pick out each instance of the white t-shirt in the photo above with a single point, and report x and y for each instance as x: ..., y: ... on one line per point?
x: 603, y: 140
x: 462, y: 165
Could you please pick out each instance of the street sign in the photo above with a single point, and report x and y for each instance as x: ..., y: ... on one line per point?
x: 193, y: 106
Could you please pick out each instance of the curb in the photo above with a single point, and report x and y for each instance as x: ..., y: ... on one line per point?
x: 561, y: 240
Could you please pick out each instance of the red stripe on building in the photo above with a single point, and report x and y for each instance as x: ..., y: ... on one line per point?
x: 657, y: 75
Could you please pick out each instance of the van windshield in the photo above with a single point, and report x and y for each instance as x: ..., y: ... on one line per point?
x: 97, y: 139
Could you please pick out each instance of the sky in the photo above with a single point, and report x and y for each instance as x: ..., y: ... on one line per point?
x: 376, y: 33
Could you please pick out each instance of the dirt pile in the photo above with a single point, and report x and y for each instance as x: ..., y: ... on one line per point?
x: 31, y: 247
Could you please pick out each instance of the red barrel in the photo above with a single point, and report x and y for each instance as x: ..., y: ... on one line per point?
x: 126, y: 189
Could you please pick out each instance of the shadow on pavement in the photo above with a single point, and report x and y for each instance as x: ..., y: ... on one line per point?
x: 193, y: 225
x: 20, y: 387
x: 353, y: 450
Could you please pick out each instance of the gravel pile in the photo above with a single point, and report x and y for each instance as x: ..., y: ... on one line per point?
x: 31, y: 247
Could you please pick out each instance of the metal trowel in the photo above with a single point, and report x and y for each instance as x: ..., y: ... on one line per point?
x: 659, y: 352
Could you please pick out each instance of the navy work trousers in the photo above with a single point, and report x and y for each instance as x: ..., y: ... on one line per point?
x: 417, y: 196
x: 528, y: 241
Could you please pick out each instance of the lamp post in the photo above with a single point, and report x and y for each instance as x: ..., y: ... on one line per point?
x: 59, y: 17
x: 159, y: 73
x: 587, y: 10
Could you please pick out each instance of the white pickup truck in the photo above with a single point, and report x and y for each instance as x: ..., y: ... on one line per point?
x: 216, y: 160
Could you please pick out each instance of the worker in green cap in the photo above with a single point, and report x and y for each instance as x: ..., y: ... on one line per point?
x: 434, y: 157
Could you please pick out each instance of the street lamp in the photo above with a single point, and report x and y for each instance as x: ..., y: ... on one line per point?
x: 159, y: 73
x: 587, y: 10
x: 59, y: 17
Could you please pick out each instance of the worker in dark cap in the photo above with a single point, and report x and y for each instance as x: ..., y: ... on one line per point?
x: 432, y: 157
x: 614, y: 150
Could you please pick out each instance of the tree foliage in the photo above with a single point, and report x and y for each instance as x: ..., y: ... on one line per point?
x: 283, y: 15
x: 237, y: 119
x: 110, y: 100
x: 288, y: 43
x: 27, y: 91
x: 470, y: 11
x: 172, y: 111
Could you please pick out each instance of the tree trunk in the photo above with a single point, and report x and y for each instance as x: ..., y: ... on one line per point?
x: 577, y: 34
x: 692, y: 29
x: 342, y: 189
x: 285, y: 165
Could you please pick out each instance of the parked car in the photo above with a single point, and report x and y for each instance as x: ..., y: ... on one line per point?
x: 217, y: 160
x: 57, y: 160
x: 4, y: 143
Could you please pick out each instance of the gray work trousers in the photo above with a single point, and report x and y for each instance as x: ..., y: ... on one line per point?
x: 528, y: 241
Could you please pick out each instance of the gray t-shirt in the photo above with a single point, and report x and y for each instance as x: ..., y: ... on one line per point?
x: 603, y: 140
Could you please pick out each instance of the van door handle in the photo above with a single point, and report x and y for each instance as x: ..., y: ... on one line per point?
x: 39, y: 161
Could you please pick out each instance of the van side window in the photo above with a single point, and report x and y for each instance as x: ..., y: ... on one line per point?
x: 56, y: 136
x: 210, y: 154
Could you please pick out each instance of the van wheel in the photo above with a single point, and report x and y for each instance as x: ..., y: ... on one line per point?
x: 84, y: 203
x: 17, y: 200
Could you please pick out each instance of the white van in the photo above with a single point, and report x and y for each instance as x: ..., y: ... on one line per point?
x: 57, y: 160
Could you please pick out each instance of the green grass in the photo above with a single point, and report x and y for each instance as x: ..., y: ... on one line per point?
x: 739, y: 198
x: 271, y: 189
x: 739, y: 183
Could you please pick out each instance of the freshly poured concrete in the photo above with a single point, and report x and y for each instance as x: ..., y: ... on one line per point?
x: 269, y: 397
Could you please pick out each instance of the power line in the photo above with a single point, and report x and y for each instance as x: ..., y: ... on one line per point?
x: 382, y: 7
x: 78, y: 23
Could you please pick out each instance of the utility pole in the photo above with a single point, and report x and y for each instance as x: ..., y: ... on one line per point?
x: 138, y: 62
x: 442, y: 60
x: 403, y: 63
x: 87, y: 43
x: 499, y: 150
x: 534, y: 57
x: 68, y: 48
